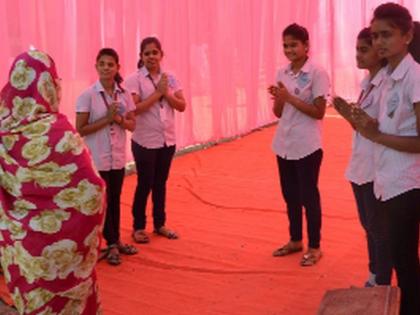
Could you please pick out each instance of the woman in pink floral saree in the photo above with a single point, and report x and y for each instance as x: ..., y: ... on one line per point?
x: 51, y: 198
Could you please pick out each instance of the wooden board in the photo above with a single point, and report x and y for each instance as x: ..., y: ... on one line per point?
x: 380, y: 300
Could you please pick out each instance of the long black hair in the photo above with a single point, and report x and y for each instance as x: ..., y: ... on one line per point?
x: 146, y: 41
x: 414, y: 47
x: 112, y: 53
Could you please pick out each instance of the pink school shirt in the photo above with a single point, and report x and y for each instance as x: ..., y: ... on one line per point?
x: 299, y: 135
x: 397, y: 172
x: 361, y: 169
x: 155, y: 127
x: 107, y: 145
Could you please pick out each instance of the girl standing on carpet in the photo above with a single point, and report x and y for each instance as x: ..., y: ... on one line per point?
x: 157, y: 96
x: 397, y: 153
x: 299, y: 103
x: 360, y: 171
x: 51, y: 199
x: 104, y: 113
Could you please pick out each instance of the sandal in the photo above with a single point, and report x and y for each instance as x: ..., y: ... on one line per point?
x: 113, y: 258
x: 289, y: 248
x: 311, y: 257
x: 140, y: 236
x: 103, y: 253
x: 126, y: 249
x: 169, y: 234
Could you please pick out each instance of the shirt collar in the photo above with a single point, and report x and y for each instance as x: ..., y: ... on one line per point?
x: 375, y: 81
x: 379, y: 76
x: 307, y: 67
x: 402, y: 68
x: 143, y: 70
x: 100, y: 88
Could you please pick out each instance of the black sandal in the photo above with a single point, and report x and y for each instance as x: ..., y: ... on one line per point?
x: 113, y: 258
x: 126, y: 249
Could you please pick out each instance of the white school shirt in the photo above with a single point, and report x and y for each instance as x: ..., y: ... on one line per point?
x: 397, y: 172
x: 155, y: 127
x: 298, y: 135
x: 361, y: 168
x: 107, y: 145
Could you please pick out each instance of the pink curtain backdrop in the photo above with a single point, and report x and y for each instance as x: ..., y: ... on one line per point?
x: 225, y: 53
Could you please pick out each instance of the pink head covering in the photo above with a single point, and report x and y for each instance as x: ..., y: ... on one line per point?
x: 31, y: 91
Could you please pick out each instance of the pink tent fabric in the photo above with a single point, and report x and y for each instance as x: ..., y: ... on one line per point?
x: 225, y: 53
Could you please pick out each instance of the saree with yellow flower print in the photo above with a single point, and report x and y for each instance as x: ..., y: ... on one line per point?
x: 51, y: 198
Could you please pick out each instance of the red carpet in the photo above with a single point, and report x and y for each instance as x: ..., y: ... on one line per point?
x: 225, y: 202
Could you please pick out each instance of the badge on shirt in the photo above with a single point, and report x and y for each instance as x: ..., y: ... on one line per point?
x: 392, y: 104
x: 303, y: 80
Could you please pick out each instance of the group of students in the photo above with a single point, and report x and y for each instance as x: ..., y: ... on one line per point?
x: 384, y: 168
x: 145, y: 106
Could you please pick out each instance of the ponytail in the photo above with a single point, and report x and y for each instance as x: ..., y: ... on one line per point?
x: 414, y: 47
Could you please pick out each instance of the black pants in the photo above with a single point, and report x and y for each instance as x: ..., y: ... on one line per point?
x: 114, y: 181
x: 375, y: 222
x: 404, y: 214
x: 299, y: 185
x: 152, y: 173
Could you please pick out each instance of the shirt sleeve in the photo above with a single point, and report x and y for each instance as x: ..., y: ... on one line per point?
x: 173, y: 82
x: 320, y: 83
x: 132, y: 84
x: 84, y: 103
x: 130, y: 103
x: 414, y: 87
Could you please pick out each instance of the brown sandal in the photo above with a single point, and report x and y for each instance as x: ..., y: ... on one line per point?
x: 169, y: 234
x: 311, y: 257
x: 140, y: 237
x: 289, y: 248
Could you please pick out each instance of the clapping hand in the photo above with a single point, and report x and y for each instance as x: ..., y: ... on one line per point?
x: 343, y: 108
x: 112, y: 112
x: 279, y: 92
x: 366, y: 125
x: 162, y: 85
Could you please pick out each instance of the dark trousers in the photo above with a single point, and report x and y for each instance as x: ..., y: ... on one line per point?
x: 152, y: 173
x: 299, y: 185
x: 375, y: 222
x: 114, y: 181
x: 404, y: 214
